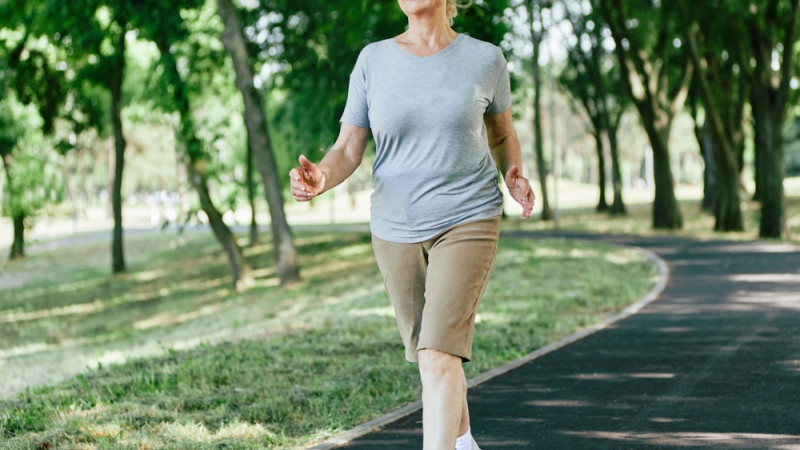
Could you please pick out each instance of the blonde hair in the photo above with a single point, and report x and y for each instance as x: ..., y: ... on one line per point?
x: 452, y: 8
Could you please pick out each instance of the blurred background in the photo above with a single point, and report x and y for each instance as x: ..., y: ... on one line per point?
x: 140, y: 114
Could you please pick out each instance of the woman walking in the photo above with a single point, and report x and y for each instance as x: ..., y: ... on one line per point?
x: 432, y: 99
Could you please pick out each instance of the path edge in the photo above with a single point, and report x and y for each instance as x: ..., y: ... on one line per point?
x: 380, y: 422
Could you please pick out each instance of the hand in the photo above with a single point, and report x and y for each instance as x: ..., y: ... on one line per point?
x: 520, y: 189
x: 306, y: 181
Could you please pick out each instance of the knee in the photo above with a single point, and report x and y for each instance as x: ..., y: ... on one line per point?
x: 436, y: 365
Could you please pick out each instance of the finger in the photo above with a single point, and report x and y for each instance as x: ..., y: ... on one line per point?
x: 295, y: 174
x: 305, y: 162
x: 301, y: 194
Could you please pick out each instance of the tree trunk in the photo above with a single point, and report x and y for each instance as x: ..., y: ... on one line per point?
x: 727, y: 205
x: 18, y: 246
x: 17, y: 218
x: 772, y: 222
x: 656, y: 102
x: 666, y: 213
x: 240, y: 268
x: 719, y: 104
x: 602, y: 204
x: 541, y: 165
x: 758, y: 106
x: 618, y: 206
x: 703, y: 135
x: 251, y: 196
x: 233, y: 40
x: 117, y: 248
x: 770, y: 91
x: 242, y: 273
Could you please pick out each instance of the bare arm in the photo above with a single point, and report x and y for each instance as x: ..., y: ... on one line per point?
x: 507, y: 154
x: 310, y: 180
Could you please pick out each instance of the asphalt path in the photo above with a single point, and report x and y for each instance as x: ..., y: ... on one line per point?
x: 712, y: 363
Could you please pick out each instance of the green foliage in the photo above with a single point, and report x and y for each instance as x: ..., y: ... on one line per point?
x: 593, y: 76
x: 33, y: 177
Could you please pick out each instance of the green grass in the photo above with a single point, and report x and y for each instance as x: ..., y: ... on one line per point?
x: 269, y: 367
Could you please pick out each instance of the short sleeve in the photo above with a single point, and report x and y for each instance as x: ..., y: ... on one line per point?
x: 501, y: 100
x: 356, y: 110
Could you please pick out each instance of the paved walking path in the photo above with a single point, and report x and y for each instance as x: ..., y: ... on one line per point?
x: 714, y: 362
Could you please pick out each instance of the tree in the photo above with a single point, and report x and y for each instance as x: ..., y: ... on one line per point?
x: 703, y: 136
x: 767, y: 60
x: 719, y: 84
x: 116, y: 62
x: 165, y: 26
x: 656, y: 75
x: 593, y: 78
x: 537, y: 30
x: 96, y: 31
x: 258, y: 135
x: 33, y: 91
x: 30, y: 178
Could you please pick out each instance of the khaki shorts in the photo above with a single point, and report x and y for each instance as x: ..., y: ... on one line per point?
x: 435, y: 286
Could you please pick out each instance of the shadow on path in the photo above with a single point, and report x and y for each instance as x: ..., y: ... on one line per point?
x: 713, y: 363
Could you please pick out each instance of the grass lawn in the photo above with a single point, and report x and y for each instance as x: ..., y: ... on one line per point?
x: 169, y: 356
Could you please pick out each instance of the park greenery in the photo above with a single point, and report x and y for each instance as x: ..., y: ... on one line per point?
x: 201, y: 107
x: 108, y: 102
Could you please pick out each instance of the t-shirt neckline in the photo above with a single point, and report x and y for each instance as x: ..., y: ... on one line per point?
x: 429, y: 57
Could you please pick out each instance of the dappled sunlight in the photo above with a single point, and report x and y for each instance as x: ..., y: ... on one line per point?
x: 171, y: 318
x: 61, y: 288
x: 694, y: 439
x: 80, y: 308
x: 766, y: 278
x: 354, y: 250
x: 621, y: 376
x: 242, y: 430
x: 783, y: 300
x: 493, y: 318
x: 150, y: 275
x: 579, y: 253
x: 264, y: 273
x: 194, y: 284
x: 321, y: 270
x: 108, y: 358
x: 759, y: 247
x: 102, y: 430
x: 98, y: 306
x: 386, y: 311
x: 263, y: 282
x: 667, y: 420
x: 619, y: 257
x: 674, y: 330
x: 75, y: 411
x: 694, y: 262
x: 192, y: 432
x: 198, y: 433
x: 560, y: 404
x: 27, y: 349
x: 791, y: 366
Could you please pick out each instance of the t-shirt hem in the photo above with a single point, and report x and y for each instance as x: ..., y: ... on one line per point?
x: 415, y: 238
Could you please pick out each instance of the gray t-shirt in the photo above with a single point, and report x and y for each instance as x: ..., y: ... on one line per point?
x: 433, y: 168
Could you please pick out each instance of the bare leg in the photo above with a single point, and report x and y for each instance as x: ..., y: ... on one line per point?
x: 444, y: 399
